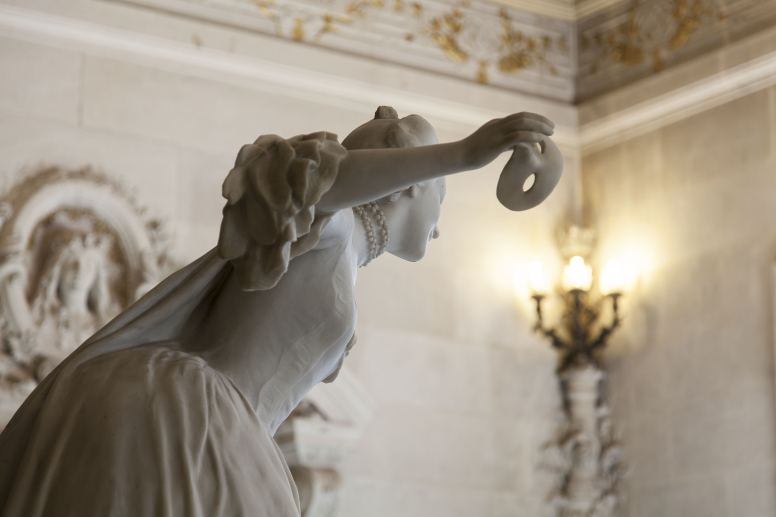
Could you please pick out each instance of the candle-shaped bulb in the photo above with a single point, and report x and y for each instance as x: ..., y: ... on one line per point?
x: 536, y: 277
x: 577, y: 275
x: 612, y: 280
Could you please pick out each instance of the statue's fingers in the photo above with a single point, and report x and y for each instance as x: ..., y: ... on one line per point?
x: 518, y: 137
x: 528, y: 124
x: 528, y: 114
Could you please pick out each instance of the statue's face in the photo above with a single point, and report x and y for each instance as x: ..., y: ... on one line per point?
x: 78, y: 274
x: 412, y: 219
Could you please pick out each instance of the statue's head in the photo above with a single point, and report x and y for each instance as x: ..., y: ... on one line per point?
x: 387, y: 130
x: 411, y: 214
x: 79, y: 276
x: 79, y: 272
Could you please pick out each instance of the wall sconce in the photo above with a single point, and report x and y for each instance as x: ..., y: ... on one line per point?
x: 580, y: 315
x: 585, y: 455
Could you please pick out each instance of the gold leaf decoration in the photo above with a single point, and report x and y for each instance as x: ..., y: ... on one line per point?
x: 687, y: 21
x: 266, y: 9
x: 519, y: 51
x: 445, y: 31
x: 331, y: 24
x: 482, y: 73
x: 298, y: 32
x: 652, y: 28
x: 509, y: 51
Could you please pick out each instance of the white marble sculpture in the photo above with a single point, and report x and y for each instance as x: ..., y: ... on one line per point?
x: 170, y: 409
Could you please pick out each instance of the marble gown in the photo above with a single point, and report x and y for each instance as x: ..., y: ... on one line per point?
x: 130, y: 425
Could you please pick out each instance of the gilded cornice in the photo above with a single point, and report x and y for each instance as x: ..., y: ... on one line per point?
x: 638, y: 38
x: 616, y: 42
x: 478, y: 41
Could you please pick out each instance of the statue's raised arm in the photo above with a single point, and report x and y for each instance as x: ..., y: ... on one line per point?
x: 414, y: 155
x: 169, y: 410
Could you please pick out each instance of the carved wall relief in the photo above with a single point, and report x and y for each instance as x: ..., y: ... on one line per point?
x: 75, y: 250
x: 322, y: 432
x: 585, y: 458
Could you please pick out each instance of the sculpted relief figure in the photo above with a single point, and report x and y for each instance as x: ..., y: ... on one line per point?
x: 74, y: 251
x: 73, y: 301
x: 74, y: 298
x: 170, y: 409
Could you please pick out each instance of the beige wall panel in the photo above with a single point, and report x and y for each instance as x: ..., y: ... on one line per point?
x: 194, y: 112
x: 379, y: 499
x: 148, y: 168
x: 702, y: 497
x: 443, y: 374
x: 40, y: 80
x: 694, y: 360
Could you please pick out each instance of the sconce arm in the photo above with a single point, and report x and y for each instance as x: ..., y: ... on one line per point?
x: 556, y: 341
x: 603, y: 336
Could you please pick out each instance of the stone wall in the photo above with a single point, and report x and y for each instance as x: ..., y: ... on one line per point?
x: 465, y: 395
x: 692, y: 370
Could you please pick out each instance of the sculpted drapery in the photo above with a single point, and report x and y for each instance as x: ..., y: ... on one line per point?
x: 132, y: 424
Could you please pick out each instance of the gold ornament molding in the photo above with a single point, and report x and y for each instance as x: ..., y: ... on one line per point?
x: 451, y: 30
x: 651, y: 29
x: 638, y: 38
x: 616, y: 43
x: 477, y: 41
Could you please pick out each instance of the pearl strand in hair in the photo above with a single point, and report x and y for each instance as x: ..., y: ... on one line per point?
x: 375, y: 250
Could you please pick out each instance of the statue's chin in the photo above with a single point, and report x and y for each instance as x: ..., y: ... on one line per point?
x: 410, y: 257
x: 414, y: 253
x: 333, y: 376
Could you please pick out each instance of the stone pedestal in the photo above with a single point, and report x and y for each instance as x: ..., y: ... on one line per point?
x: 585, y: 456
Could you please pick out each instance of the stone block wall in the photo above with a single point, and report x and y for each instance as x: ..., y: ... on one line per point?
x: 693, y: 367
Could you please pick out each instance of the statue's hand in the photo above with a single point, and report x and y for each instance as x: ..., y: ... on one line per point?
x: 501, y: 134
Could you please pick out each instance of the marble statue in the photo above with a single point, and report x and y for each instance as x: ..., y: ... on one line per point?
x: 170, y: 409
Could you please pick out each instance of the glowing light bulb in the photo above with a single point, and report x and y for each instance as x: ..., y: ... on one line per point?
x: 577, y: 275
x: 612, y: 280
x: 536, y: 277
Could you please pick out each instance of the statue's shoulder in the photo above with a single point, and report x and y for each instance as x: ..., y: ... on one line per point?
x: 149, y: 383
x: 136, y: 430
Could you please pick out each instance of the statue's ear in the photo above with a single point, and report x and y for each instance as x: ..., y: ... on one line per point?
x: 395, y: 196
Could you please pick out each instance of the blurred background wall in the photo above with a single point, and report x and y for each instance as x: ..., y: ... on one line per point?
x: 693, y: 367
x: 161, y: 95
